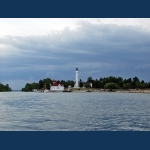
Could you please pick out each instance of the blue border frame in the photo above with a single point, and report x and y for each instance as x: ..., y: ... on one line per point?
x: 74, y: 9
x: 74, y: 140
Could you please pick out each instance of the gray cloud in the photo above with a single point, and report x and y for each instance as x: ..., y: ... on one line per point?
x: 97, y: 50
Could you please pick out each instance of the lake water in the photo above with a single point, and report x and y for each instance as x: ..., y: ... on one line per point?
x: 20, y: 111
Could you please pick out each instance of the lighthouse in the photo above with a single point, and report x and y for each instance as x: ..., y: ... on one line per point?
x: 77, y: 80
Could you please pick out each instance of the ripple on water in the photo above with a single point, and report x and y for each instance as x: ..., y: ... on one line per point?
x: 74, y: 111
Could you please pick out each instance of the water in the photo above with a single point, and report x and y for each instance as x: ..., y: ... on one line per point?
x: 21, y: 111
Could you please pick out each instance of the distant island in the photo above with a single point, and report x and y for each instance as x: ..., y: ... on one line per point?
x: 4, y: 88
x: 107, y: 83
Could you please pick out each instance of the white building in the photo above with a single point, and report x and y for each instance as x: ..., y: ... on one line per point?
x: 91, y: 85
x: 34, y: 90
x: 77, y: 79
x: 56, y: 87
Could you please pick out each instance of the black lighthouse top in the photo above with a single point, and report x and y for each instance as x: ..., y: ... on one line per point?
x: 76, y: 69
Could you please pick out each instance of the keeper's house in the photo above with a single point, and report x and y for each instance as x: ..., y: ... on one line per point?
x: 56, y: 86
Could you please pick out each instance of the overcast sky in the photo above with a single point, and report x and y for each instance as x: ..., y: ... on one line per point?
x: 32, y: 49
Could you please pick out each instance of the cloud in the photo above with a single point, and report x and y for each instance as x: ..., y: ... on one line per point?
x: 98, y: 49
x: 142, y: 68
x: 42, y: 26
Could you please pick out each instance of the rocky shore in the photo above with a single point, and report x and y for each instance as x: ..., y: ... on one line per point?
x: 120, y: 90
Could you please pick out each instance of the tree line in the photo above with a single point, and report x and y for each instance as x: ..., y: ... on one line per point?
x: 119, y: 83
x: 4, y: 88
x: 110, y: 82
x: 45, y: 84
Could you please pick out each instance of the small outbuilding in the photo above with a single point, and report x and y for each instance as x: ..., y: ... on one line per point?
x: 56, y: 86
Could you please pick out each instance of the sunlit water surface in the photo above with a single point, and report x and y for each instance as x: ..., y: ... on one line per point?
x: 20, y: 111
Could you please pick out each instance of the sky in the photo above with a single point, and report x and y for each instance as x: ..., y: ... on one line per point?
x: 32, y: 49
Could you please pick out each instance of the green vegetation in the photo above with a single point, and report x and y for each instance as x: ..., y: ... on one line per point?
x: 43, y: 84
x: 110, y: 83
x: 120, y: 83
x: 111, y: 86
x: 4, y: 88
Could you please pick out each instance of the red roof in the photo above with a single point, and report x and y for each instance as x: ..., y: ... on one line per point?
x: 55, y: 83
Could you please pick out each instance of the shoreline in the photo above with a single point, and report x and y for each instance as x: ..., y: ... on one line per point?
x: 146, y: 91
x: 119, y: 90
x: 134, y: 91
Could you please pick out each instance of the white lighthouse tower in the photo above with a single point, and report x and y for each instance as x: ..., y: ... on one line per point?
x: 77, y: 80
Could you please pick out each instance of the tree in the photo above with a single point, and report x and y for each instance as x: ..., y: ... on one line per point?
x: 110, y: 79
x: 129, y: 80
x: 81, y: 83
x: 126, y: 85
x: 89, y: 79
x: 111, y: 86
x: 65, y: 84
x: 34, y: 85
x: 135, y: 79
x: 102, y: 83
x: 143, y: 82
x: 41, y: 84
x: 7, y: 87
x: 47, y: 83
x: 71, y: 83
x: 4, y: 88
x: 27, y: 87
x: 97, y: 84
x: 58, y: 81
x: 120, y: 79
x: 139, y: 85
